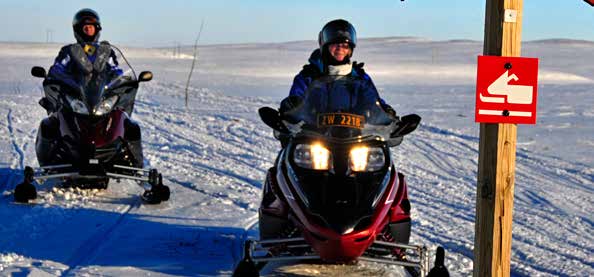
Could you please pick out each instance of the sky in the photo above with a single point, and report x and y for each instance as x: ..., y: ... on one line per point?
x: 163, y: 23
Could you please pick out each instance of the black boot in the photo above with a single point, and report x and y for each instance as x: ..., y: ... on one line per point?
x: 439, y: 269
x: 137, y: 158
x: 46, y: 144
x: 133, y: 136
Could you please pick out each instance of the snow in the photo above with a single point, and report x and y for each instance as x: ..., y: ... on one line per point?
x: 214, y: 156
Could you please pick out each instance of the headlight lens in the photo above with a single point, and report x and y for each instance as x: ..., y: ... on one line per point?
x: 363, y: 158
x: 105, y: 106
x: 358, y: 158
x: 77, y: 105
x: 314, y: 156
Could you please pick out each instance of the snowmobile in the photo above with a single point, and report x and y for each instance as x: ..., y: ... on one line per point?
x: 334, y: 193
x: 89, y: 137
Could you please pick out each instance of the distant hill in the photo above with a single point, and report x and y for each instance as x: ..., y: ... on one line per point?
x: 463, y: 41
x: 562, y: 41
x: 397, y: 39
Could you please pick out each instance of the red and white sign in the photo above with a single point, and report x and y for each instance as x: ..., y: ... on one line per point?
x: 591, y: 2
x: 506, y: 90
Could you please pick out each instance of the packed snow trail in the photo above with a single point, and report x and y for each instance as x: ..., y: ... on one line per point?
x: 98, y: 221
x: 441, y: 169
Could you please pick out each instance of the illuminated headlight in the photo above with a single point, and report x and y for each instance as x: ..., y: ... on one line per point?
x: 363, y: 158
x: 77, y: 106
x: 314, y: 156
x: 105, y: 106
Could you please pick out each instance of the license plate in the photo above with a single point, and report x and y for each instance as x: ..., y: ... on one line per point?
x: 93, y: 161
x: 341, y: 119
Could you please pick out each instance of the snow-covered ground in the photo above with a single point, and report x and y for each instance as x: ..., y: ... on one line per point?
x: 214, y: 155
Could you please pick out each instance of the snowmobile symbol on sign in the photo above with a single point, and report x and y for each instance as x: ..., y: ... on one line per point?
x: 506, y: 90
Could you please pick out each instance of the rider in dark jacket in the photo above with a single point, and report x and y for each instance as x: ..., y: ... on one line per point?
x: 337, y: 40
x: 77, y: 62
x: 75, y: 65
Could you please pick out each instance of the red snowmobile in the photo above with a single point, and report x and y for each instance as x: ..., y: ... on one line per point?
x: 334, y: 193
x: 88, y: 137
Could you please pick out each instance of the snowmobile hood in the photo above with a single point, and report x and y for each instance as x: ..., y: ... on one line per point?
x: 338, y: 117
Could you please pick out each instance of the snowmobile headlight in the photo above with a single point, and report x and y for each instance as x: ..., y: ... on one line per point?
x: 105, y: 106
x: 78, y: 106
x: 363, y: 158
x: 312, y: 156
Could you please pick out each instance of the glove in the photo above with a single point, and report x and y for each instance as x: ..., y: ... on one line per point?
x: 290, y: 103
x: 388, y: 109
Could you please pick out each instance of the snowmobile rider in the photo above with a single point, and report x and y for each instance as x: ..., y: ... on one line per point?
x: 330, y: 62
x: 77, y: 62
x: 337, y: 40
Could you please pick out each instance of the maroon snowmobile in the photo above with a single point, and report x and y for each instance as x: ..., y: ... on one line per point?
x: 89, y: 137
x: 334, y: 193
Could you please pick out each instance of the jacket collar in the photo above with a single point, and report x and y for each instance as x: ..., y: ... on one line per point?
x: 340, y: 70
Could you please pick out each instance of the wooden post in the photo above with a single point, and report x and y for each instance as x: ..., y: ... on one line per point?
x: 497, y: 155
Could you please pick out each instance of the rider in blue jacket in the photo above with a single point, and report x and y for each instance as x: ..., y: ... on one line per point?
x: 337, y: 40
x: 77, y: 62
x: 75, y: 66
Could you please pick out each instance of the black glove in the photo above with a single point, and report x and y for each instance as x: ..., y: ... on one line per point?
x: 388, y: 109
x: 290, y: 103
x: 47, y: 105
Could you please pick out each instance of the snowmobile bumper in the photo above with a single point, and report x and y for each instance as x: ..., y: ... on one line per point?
x: 258, y: 252
x: 153, y: 195
x: 137, y: 174
x: 418, y: 253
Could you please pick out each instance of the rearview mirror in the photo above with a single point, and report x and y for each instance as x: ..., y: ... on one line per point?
x: 145, y: 76
x: 407, y: 124
x: 271, y: 117
x: 38, y: 71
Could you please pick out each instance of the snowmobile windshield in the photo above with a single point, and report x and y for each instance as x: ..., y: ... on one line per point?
x: 341, y: 109
x: 340, y: 161
x: 98, y: 92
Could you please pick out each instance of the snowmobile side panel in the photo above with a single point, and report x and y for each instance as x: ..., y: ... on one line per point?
x: 400, y: 231
x: 401, y: 207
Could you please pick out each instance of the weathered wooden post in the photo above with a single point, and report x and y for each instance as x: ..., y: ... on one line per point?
x: 497, y: 153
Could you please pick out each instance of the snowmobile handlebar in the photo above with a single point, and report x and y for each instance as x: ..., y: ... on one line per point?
x: 405, y: 125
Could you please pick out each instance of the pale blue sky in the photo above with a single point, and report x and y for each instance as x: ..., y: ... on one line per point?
x: 160, y: 23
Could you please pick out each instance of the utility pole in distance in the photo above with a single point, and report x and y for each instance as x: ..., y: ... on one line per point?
x: 49, y: 35
x: 497, y: 153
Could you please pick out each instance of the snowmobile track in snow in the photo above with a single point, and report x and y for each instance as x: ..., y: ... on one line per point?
x: 88, y: 248
x: 17, y: 149
x: 214, y: 155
